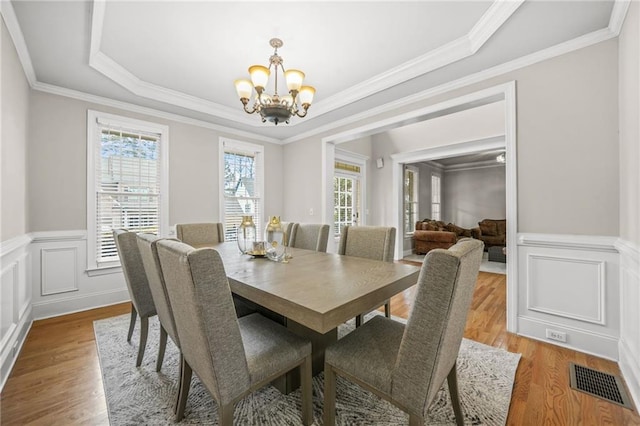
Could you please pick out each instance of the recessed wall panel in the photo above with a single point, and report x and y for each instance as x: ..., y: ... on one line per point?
x: 566, y: 287
x: 59, y: 270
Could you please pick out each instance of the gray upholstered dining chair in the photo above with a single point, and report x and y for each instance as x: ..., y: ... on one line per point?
x: 147, y: 243
x: 136, y: 278
x: 407, y: 365
x: 231, y: 356
x: 309, y: 236
x: 370, y: 242
x: 200, y: 234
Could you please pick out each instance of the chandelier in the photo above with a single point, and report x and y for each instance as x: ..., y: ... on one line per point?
x: 275, y: 108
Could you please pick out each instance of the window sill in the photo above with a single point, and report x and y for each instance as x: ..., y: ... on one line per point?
x: 105, y: 270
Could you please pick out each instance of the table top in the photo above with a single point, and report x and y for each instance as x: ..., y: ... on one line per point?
x: 317, y: 290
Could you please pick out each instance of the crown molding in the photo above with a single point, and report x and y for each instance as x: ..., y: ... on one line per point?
x: 618, y: 14
x: 458, y: 49
x: 99, y: 100
x: 10, y: 19
x: 531, y: 59
x: 489, y: 23
x: 487, y: 164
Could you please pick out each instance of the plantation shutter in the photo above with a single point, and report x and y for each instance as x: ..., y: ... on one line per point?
x: 127, y: 183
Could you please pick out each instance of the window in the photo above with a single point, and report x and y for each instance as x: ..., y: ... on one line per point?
x: 127, y: 182
x: 435, y: 197
x: 242, y: 181
x: 346, y: 201
x: 410, y: 198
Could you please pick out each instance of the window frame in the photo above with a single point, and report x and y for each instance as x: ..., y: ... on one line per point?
x: 95, y: 120
x: 410, y: 227
x: 249, y: 148
x: 437, y: 202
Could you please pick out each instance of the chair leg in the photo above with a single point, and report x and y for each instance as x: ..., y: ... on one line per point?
x: 358, y: 320
x: 132, y: 323
x: 387, y: 309
x: 225, y: 415
x: 452, y: 381
x: 415, y: 420
x: 307, y: 391
x: 161, y: 347
x: 329, y: 395
x: 183, y: 387
x: 144, y: 331
x: 179, y: 395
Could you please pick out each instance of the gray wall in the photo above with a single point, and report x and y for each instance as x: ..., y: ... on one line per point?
x: 57, y: 166
x: 14, y: 95
x: 468, y: 196
x: 567, y: 141
x: 629, y: 93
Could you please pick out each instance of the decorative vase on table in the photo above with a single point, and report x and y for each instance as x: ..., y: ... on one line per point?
x: 246, y: 234
x: 274, y: 235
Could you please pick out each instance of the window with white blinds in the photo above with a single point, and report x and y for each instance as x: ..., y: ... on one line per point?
x: 242, y: 185
x: 436, y: 187
x: 127, y: 182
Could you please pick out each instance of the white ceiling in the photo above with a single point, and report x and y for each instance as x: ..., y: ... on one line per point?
x: 182, y: 57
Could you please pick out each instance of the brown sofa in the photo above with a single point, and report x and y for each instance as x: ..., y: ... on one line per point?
x: 430, y: 234
x: 493, y: 232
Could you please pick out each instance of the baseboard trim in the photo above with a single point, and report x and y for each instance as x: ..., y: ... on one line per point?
x: 630, y: 371
x: 590, y: 343
x: 9, y: 356
x: 70, y: 305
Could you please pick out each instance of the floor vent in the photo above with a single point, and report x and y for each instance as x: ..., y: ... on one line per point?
x: 599, y: 384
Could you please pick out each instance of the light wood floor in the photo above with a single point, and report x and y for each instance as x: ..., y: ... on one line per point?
x: 56, y: 379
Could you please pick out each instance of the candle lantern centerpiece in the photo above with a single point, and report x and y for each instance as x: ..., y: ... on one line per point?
x: 275, y: 238
x: 246, y: 234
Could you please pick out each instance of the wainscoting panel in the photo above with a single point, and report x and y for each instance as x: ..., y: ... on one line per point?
x: 15, y: 301
x: 61, y: 283
x: 630, y: 316
x: 570, y: 292
x: 59, y: 270
x: 549, y: 291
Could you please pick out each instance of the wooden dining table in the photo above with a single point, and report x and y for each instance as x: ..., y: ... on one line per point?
x: 313, y: 293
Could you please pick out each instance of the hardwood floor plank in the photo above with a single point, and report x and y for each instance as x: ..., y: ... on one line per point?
x: 57, y: 378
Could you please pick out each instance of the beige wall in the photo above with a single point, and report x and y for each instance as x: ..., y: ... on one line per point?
x: 567, y: 141
x: 57, y: 166
x: 629, y: 100
x: 14, y: 91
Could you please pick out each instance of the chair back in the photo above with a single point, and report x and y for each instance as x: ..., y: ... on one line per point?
x: 147, y: 244
x: 370, y: 242
x: 433, y: 333
x: 200, y: 234
x: 205, y: 317
x: 310, y: 236
x: 134, y: 273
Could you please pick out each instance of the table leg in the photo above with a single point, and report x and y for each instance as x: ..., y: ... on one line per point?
x: 291, y: 381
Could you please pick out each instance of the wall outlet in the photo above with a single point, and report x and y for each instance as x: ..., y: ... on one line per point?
x: 560, y: 336
x: 310, y: 212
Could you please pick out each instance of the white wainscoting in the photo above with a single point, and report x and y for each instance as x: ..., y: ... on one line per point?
x: 15, y: 301
x: 61, y: 284
x: 630, y: 316
x: 570, y: 284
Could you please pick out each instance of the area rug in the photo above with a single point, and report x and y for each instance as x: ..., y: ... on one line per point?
x: 141, y: 396
x: 485, y: 266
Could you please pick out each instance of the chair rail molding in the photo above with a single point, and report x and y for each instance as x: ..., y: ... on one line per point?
x: 570, y: 284
x: 629, y: 345
x: 15, y: 298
